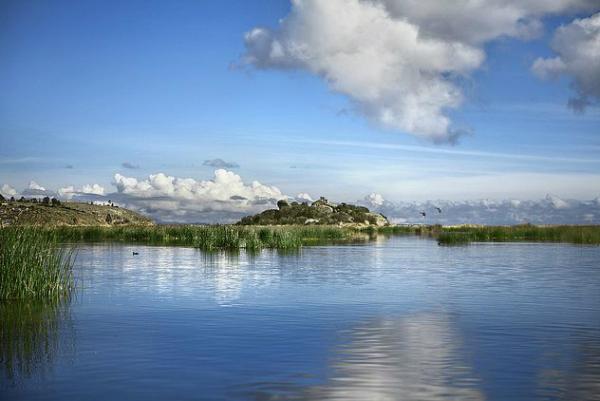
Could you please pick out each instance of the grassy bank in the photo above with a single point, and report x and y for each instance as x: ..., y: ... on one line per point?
x: 568, y: 234
x: 207, y: 237
x: 33, y: 265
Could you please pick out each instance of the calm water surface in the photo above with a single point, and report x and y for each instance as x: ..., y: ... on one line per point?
x: 396, y: 319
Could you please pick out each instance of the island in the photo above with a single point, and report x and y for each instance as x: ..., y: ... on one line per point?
x: 320, y: 212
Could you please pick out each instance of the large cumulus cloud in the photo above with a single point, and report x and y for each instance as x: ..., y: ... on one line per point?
x: 7, y: 191
x: 399, y: 61
x: 70, y: 191
x: 577, y: 46
x: 224, y: 198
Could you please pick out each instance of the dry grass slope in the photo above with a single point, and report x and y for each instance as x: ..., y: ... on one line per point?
x: 68, y: 214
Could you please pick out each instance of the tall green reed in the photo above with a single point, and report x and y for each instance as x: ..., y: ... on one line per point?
x: 33, y: 265
x: 215, y: 237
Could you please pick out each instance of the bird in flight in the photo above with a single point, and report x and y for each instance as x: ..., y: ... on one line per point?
x: 423, y: 214
x: 438, y: 209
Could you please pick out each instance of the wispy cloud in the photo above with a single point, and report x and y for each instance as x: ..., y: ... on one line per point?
x: 456, y: 152
x: 220, y: 163
x: 130, y: 166
x: 21, y: 160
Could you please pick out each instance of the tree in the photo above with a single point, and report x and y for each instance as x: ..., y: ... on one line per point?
x: 22, y: 199
x: 46, y: 200
x: 2, y: 198
x: 282, y: 203
x: 12, y: 199
x: 55, y: 202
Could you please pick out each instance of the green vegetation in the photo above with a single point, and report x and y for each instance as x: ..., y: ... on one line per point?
x: 320, y: 212
x: 570, y: 234
x: 52, y: 213
x: 33, y: 265
x: 207, y: 237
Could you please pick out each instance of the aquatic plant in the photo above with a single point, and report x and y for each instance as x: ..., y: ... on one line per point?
x: 208, y: 237
x: 525, y: 232
x: 33, y: 265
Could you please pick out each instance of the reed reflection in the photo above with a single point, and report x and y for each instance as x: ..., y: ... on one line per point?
x: 31, y: 336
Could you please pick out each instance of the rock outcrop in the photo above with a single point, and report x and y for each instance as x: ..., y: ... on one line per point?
x: 321, y: 212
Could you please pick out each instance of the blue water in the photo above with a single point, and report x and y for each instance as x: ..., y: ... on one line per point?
x: 395, y: 319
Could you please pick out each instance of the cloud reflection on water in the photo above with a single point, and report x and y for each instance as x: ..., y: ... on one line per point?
x: 416, y: 357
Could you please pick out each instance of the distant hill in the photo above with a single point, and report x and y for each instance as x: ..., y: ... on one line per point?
x: 320, y: 212
x: 38, y: 213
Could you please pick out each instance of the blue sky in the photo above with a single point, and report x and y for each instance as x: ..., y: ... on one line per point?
x: 163, y: 86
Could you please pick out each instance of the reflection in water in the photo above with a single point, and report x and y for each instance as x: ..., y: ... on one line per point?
x: 581, y: 381
x: 227, y: 271
x: 31, y: 335
x: 418, y: 357
x: 415, y: 357
x: 401, y: 319
x: 586, y: 381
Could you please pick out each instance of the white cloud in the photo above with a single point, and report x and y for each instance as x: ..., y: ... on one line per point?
x: 557, y: 202
x: 374, y: 199
x: 304, y: 197
x: 578, y: 54
x: 35, y: 186
x: 69, y: 192
x: 477, y: 22
x: 7, y: 191
x: 35, y: 190
x: 225, y: 197
x: 398, y: 61
x: 549, y: 210
x: 93, y: 189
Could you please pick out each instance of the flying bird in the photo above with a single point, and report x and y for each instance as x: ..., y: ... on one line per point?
x: 423, y: 214
x: 438, y: 209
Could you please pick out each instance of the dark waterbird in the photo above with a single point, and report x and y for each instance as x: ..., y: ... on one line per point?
x: 135, y: 253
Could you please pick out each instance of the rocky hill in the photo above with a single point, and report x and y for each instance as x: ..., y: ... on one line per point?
x: 321, y: 212
x: 55, y: 213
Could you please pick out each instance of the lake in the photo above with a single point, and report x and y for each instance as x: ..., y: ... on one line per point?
x: 394, y: 319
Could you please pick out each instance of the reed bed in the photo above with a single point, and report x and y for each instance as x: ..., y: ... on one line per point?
x: 570, y: 234
x: 33, y: 265
x: 217, y: 237
x: 392, y: 230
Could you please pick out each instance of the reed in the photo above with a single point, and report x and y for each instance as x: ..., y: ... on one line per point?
x: 33, y: 265
x: 214, y: 237
x: 570, y: 234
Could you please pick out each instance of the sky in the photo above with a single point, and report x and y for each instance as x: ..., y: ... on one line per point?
x: 206, y: 111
